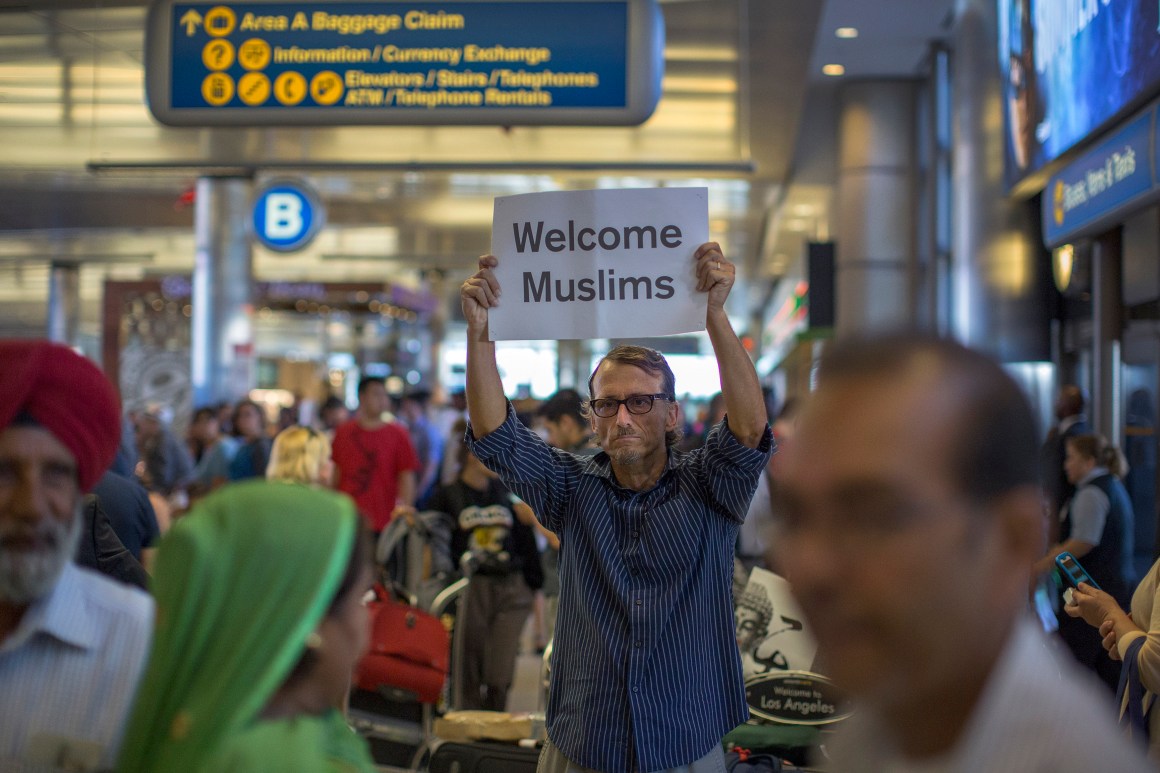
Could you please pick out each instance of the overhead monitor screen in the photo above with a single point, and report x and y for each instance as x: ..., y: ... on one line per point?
x: 1069, y: 69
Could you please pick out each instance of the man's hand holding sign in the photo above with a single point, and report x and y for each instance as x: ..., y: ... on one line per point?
x: 646, y: 533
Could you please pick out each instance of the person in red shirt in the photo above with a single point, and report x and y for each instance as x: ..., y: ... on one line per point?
x: 374, y: 460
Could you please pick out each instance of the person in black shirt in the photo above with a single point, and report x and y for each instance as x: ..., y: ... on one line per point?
x: 494, y: 543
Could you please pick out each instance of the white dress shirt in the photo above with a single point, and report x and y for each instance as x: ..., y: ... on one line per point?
x: 1037, y: 714
x: 68, y: 674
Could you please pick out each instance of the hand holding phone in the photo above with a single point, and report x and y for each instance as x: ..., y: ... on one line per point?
x: 1073, y: 573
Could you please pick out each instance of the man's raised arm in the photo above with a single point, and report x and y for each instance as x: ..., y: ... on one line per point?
x: 486, y: 402
x: 744, y: 402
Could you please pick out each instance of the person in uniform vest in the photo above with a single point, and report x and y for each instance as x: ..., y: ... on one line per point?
x: 1096, y: 527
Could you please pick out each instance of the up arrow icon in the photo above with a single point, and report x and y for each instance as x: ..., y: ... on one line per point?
x: 191, y: 20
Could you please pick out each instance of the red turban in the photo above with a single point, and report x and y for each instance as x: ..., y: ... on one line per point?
x: 67, y: 395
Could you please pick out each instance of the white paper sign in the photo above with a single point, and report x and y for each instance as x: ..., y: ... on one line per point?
x: 771, y: 630
x: 599, y: 264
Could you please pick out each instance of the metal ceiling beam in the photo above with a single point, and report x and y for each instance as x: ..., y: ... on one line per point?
x: 603, y: 167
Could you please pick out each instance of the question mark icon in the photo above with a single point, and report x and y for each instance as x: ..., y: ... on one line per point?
x: 218, y: 55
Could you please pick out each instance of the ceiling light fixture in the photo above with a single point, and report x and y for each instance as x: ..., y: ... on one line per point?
x: 846, y: 33
x: 833, y: 70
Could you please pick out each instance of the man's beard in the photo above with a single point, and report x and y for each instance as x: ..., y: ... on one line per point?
x: 625, y: 456
x: 27, y: 575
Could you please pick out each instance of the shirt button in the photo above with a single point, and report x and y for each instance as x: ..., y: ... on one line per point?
x: 636, y: 689
x: 639, y: 602
x: 638, y: 645
x: 636, y: 535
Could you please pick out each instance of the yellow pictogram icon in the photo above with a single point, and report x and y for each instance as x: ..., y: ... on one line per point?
x: 218, y: 55
x: 253, y: 88
x: 220, y: 21
x: 326, y: 87
x: 217, y: 89
x: 1057, y: 203
x: 254, y: 54
x: 290, y: 88
x: 191, y: 21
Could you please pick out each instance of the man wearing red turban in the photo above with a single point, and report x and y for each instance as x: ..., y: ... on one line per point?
x: 72, y: 642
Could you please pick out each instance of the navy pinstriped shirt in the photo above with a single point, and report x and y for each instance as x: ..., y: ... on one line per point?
x: 645, y: 671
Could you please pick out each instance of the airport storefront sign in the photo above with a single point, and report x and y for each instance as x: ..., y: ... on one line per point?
x: 1104, y: 184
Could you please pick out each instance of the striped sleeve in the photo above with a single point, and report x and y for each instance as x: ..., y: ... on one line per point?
x: 541, y: 476
x: 729, y: 470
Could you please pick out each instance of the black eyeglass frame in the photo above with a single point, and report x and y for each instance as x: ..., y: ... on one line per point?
x: 625, y: 402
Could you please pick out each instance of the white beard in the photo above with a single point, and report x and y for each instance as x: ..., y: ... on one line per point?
x: 26, y: 576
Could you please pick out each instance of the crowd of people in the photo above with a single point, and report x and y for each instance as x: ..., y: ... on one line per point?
x: 909, y: 505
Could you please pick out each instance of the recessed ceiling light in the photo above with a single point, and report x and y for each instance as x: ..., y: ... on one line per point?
x: 846, y: 32
x: 833, y: 69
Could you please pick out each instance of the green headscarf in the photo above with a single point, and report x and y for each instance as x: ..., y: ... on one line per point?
x: 240, y: 583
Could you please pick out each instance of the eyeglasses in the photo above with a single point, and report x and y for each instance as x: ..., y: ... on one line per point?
x: 607, y: 407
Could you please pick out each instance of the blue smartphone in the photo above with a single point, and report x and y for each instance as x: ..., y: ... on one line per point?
x: 1073, y: 573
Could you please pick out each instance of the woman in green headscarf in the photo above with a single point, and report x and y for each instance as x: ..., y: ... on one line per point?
x: 259, y: 622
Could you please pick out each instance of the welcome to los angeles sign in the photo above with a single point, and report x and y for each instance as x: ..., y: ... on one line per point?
x: 599, y: 264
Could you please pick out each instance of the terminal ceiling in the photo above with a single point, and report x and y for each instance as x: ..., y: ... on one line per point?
x: 87, y: 175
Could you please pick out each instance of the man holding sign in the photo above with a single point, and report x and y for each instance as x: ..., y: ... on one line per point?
x: 646, y: 673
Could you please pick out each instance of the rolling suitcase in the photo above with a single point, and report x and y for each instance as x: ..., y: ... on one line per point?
x: 482, y: 757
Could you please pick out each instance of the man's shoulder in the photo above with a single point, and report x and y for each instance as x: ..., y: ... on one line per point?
x: 1049, y: 697
x: 1038, y: 713
x: 390, y: 435
x: 390, y: 429
x: 396, y: 429
x: 86, y: 609
x: 120, y: 602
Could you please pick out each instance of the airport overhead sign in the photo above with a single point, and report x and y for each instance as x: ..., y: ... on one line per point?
x: 481, y: 62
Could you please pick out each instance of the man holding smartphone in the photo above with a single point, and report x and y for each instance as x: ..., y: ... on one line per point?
x: 907, y: 521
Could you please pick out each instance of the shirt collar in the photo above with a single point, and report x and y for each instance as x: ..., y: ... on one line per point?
x: 1094, y: 473
x: 62, y: 614
x: 1070, y: 421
